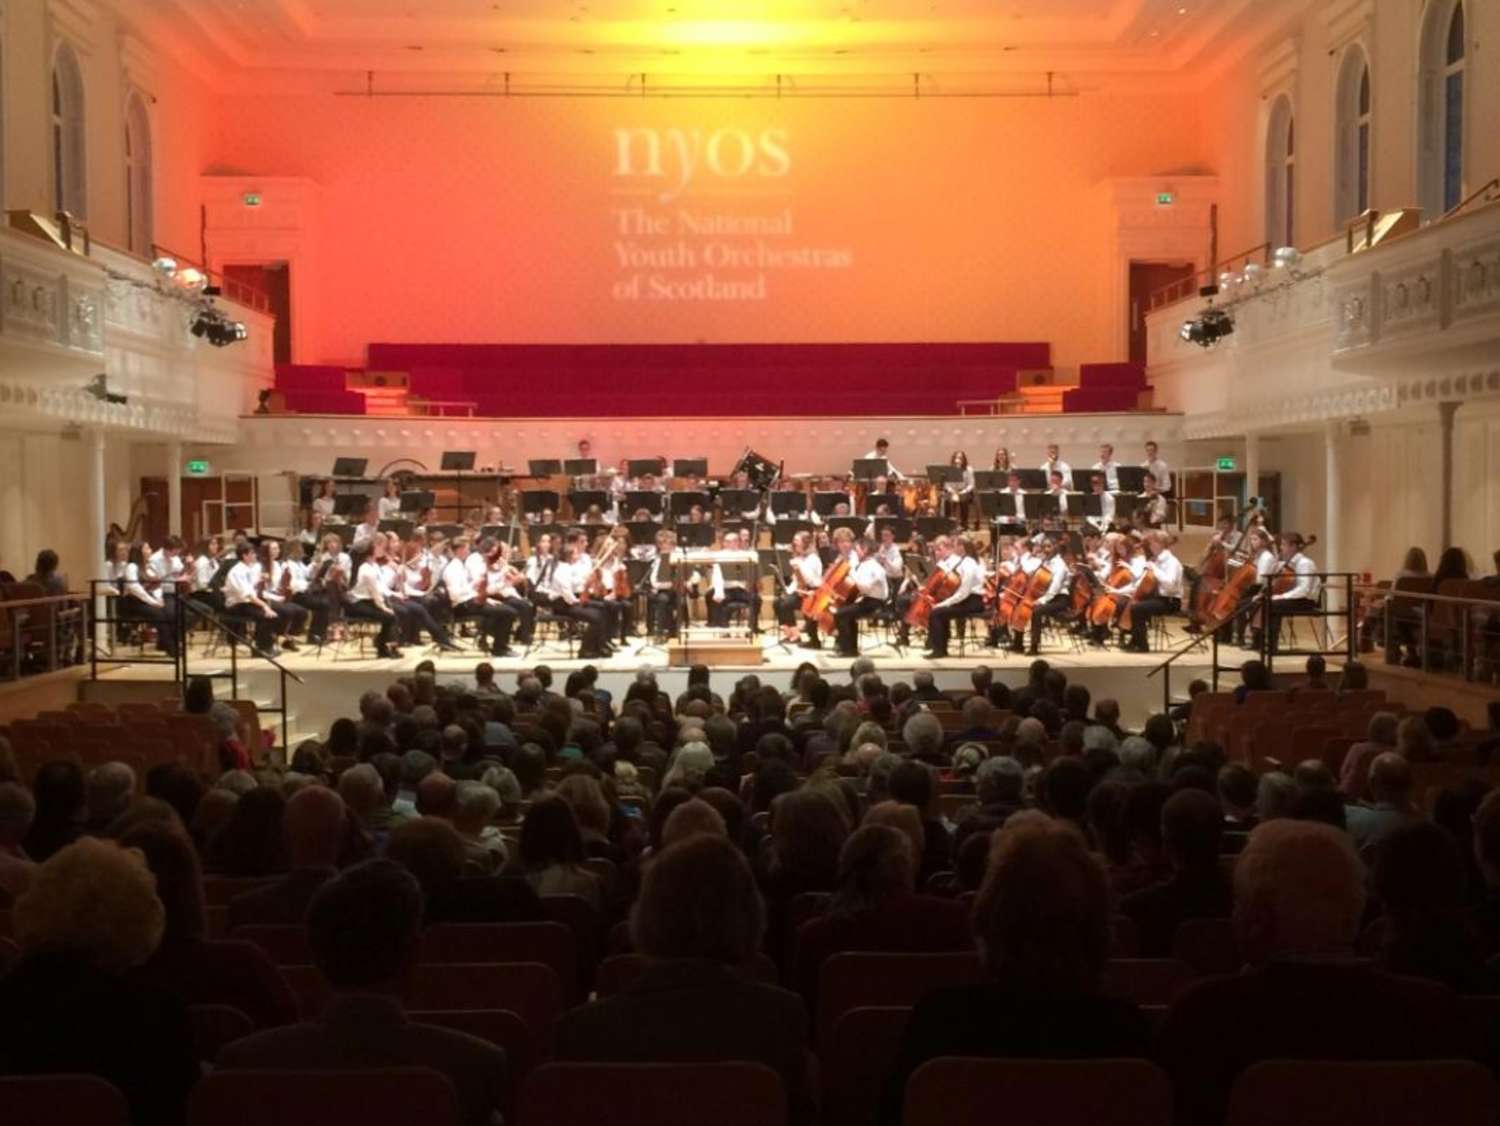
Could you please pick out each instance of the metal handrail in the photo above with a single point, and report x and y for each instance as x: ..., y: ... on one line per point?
x: 18, y: 625
x: 1186, y: 287
x: 235, y: 641
x: 1423, y: 622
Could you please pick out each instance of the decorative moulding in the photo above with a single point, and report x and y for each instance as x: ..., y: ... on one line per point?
x: 76, y: 21
x: 1278, y: 66
x: 1347, y: 20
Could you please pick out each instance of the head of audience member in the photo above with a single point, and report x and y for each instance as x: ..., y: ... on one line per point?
x: 590, y: 807
x: 1354, y: 677
x: 1192, y: 826
x: 1000, y: 780
x: 1391, y: 781
x: 1160, y: 732
x: 108, y: 791
x: 1107, y: 712
x: 198, y: 696
x: 93, y: 901
x: 549, y: 835
x: 923, y: 736
x: 363, y: 791
x: 17, y: 811
x: 252, y: 841
x: 905, y: 820
x: 1382, y: 729
x: 1139, y: 754
x: 431, y: 850
x: 912, y: 783
x: 1063, y: 789
x: 980, y: 678
x: 1420, y: 880
x: 876, y: 865
x: 1076, y: 700
x: 315, y: 824
x: 1255, y: 677
x: 1299, y: 892
x: 1312, y: 774
x: 1237, y: 789
x: 1275, y: 794
x: 1141, y: 814
x: 692, y: 818
x: 179, y: 877
x: 1442, y: 724
x: 530, y: 766
x: 698, y: 900
x: 475, y: 805
x: 1041, y: 917
x: 363, y: 927
x: 436, y: 794
x: 808, y: 828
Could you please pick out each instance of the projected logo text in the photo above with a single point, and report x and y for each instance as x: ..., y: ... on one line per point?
x: 673, y: 159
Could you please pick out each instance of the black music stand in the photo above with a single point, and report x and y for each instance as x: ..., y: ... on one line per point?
x: 990, y: 479
x: 636, y: 468
x: 739, y: 501
x: 539, y: 500
x: 824, y: 503
x: 402, y: 528
x: 930, y: 527
x: 457, y: 461
x: 637, y: 499
x: 350, y: 504
x: 447, y: 531
x: 1132, y: 479
x: 891, y: 500
x: 1092, y: 508
x: 544, y: 467
x: 349, y: 466
x: 783, y: 530
x: 869, y: 468
x: 1041, y: 506
x: 642, y: 531
x: 580, y: 466
x: 345, y: 533
x: 942, y: 474
x: 582, y: 499
x: 1033, y: 480
x: 898, y: 524
x: 694, y: 535
x: 682, y: 503
x: 690, y: 467
x: 417, y: 500
x: 788, y: 502
x: 1076, y: 505
x: 855, y: 524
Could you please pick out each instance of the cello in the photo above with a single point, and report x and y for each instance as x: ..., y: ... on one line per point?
x: 1020, y: 617
x: 835, y: 589
x: 1144, y: 589
x: 940, y: 584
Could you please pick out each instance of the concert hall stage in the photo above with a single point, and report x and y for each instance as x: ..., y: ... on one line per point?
x: 333, y: 682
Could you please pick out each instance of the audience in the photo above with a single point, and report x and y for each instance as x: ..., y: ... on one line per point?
x: 314, y: 827
x: 17, y: 811
x: 1192, y: 826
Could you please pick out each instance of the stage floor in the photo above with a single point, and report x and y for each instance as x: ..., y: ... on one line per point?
x: 332, y: 682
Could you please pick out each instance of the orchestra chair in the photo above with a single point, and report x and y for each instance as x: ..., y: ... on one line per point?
x: 77, y: 1100
x: 565, y: 630
x: 392, y: 1096
x: 653, y: 1094
x: 216, y: 1025
x: 956, y: 1091
x: 1329, y: 1092
x: 858, y: 1061
x: 363, y: 631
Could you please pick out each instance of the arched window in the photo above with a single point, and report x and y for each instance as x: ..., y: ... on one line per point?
x: 1352, y: 137
x: 138, y: 175
x: 1442, y: 90
x: 1281, y: 174
x: 68, y: 183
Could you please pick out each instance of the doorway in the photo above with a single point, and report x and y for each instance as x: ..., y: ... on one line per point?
x: 274, y: 279
x: 1145, y: 279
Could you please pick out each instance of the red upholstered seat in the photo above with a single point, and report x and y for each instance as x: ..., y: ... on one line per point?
x: 1334, y: 1093
x: 654, y: 1094
x: 77, y: 1100
x: 967, y: 1092
x: 402, y: 1096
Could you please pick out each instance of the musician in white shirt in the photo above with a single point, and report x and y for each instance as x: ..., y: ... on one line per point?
x: 806, y: 576
x: 1157, y: 466
x: 883, y: 450
x: 661, y: 597
x: 1301, y: 595
x: 568, y: 579
x: 367, y: 601
x: 291, y: 616
x: 243, y: 601
x: 1098, y: 482
x: 1152, y: 505
x: 496, y: 619
x: 1166, y: 569
x: 723, y: 594
x: 1108, y: 466
x: 312, y: 535
x: 870, y: 593
x: 299, y: 591
x: 1057, y: 492
x: 142, y: 601
x: 367, y: 530
x: 1017, y: 497
x: 388, y: 507
x: 323, y: 503
x: 1055, y: 464
x: 960, y: 493
x: 1053, y: 602
x: 165, y: 566
x: 965, y: 602
x: 503, y: 586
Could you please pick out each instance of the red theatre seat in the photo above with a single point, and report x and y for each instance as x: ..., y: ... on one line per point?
x: 1106, y: 388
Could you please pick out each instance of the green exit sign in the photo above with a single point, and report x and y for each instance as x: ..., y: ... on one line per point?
x: 1226, y: 465
x: 250, y: 199
x: 198, y: 467
x: 1166, y: 199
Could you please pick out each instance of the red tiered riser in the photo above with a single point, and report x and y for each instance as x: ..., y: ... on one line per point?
x: 1106, y: 388
x: 317, y: 389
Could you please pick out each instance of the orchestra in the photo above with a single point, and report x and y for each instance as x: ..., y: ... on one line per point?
x: 618, y: 558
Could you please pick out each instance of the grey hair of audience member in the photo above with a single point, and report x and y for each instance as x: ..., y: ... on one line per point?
x: 1140, y: 754
x: 691, y: 818
x: 1031, y: 732
x: 225, y: 719
x: 923, y: 734
x: 474, y: 805
x: 108, y: 789
x: 362, y: 789
x: 1097, y: 737
x: 1000, y: 779
x: 1274, y: 795
x: 504, y: 782
x: 880, y: 774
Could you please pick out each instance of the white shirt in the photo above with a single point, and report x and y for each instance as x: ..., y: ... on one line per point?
x: 1168, y: 570
x: 964, y: 487
x: 301, y: 574
x: 1059, y: 572
x: 890, y: 558
x: 388, y: 508
x: 161, y: 566
x: 239, y: 586
x: 341, y: 564
x: 1111, y: 471
x: 476, y: 566
x: 568, y: 580
x: 459, y: 582
x: 1058, y: 466
x: 808, y: 570
x: 323, y: 506
x: 1018, y: 500
x: 1161, y: 471
x: 368, y: 586
x: 204, y: 570
x: 970, y: 579
x: 869, y: 577
x: 1306, y: 585
x: 539, y: 570
x: 364, y: 533
x: 1156, y: 508
x: 1061, y: 498
x: 1265, y: 565
x: 272, y: 592
x: 135, y: 589
x: 1106, y: 515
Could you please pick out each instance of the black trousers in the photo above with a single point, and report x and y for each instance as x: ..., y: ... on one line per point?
x: 265, y: 629
x: 412, y: 616
x: 1143, y: 611
x: 789, y: 613
x: 495, y: 619
x: 1055, y: 607
x: 718, y: 612
x: 525, y: 613
x: 1242, y: 618
x: 367, y: 611
x: 1287, y: 608
x: 846, y: 623
x: 161, y: 618
x: 661, y: 612
x: 941, y: 621
x: 316, y: 603
x: 210, y: 600
x: 595, y: 622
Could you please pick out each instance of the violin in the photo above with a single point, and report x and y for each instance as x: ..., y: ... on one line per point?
x: 940, y: 584
x: 836, y: 588
x: 285, y: 588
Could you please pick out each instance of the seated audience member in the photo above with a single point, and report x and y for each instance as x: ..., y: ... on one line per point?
x: 1140, y: 822
x: 315, y: 826
x: 592, y: 812
x: 1192, y: 825
x: 1442, y: 724
x: 108, y: 790
x: 913, y: 784
x: 808, y: 830
x: 1391, y: 805
x: 1414, y: 740
x: 233, y: 754
x: 551, y: 852
x: 1237, y: 792
x: 1275, y: 794
x: 1254, y: 677
x: 251, y: 843
x: 364, y: 926
x: 1316, y: 679
x: 475, y: 806
x: 1354, y: 771
x: 1042, y: 925
x: 698, y: 918
x: 16, y: 868
x: 875, y: 906
x: 58, y: 791
x: 433, y: 852
x: 1421, y: 885
x: 1000, y: 785
x: 90, y: 915
x: 237, y: 974
x: 1299, y: 895
x: 1486, y: 913
x: 694, y: 817
x: 923, y: 736
x: 978, y: 726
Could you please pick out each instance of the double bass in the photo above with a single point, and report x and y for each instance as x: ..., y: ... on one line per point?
x: 836, y: 588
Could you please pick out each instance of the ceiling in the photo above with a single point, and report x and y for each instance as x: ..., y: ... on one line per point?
x: 1077, y: 42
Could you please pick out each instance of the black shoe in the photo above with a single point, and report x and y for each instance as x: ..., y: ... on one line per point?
x: 506, y: 652
x: 289, y: 645
x: 935, y: 655
x: 809, y: 643
x: 1193, y: 627
x: 846, y: 652
x: 388, y: 652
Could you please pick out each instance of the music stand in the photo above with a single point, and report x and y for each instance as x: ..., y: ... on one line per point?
x: 869, y: 468
x: 788, y: 502
x: 694, y: 535
x: 402, y: 528
x: 690, y: 467
x: 643, y: 531
x: 824, y: 503
x: 581, y: 466
x: 345, y: 533
x: 739, y: 500
x: 544, y: 467
x: 682, y: 503
x: 1131, y: 479
x: 1033, y: 480
x: 898, y: 524
x: 1092, y: 508
x: 1077, y: 505
x: 350, y: 504
x: 991, y: 479
x: 734, y: 525
x: 457, y: 461
x: 1039, y: 506
x: 539, y: 500
x: 891, y: 500
x: 942, y: 474
x: 930, y: 527
x: 582, y: 499
x: 447, y: 531
x: 417, y: 500
x: 349, y: 466
x: 856, y: 524
x: 783, y: 530
x: 637, y: 499
x: 637, y: 468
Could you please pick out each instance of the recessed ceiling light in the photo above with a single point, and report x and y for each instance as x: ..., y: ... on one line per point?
x: 1182, y: 11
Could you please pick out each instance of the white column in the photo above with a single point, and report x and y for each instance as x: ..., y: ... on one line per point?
x: 1333, y: 505
x: 1446, y: 412
x: 1252, y: 465
x: 174, y: 487
x: 98, y: 524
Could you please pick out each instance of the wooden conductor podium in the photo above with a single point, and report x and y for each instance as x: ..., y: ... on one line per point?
x: 714, y: 646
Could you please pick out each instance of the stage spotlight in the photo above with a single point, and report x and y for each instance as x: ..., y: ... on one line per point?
x: 1208, y: 328
x: 165, y: 265
x: 98, y: 387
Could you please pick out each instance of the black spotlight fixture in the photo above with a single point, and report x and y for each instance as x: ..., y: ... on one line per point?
x: 1209, y: 326
x: 212, y: 325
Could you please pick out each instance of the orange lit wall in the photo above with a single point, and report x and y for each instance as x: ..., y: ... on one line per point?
x: 460, y: 219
